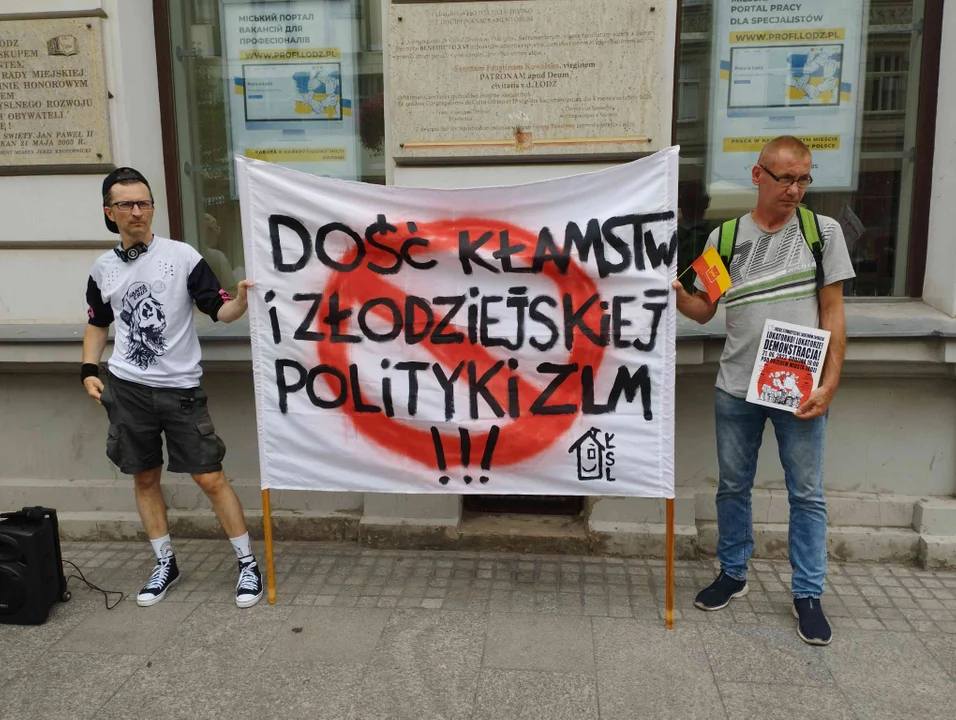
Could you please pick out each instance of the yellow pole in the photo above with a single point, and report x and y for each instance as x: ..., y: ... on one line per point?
x: 270, y: 562
x: 669, y: 608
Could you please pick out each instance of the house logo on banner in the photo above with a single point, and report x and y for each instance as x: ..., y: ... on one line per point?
x: 595, y: 454
x: 433, y: 341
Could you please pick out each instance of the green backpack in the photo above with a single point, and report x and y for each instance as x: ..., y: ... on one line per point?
x: 809, y: 226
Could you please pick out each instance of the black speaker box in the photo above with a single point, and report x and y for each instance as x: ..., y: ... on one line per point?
x: 31, y: 566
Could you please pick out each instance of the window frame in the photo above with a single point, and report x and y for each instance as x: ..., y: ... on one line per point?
x: 898, y: 78
x: 682, y: 83
x: 927, y: 31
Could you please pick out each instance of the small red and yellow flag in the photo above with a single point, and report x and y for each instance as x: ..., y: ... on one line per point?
x: 711, y: 271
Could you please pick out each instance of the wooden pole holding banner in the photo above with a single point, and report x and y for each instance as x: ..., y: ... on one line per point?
x: 267, y: 530
x: 669, y: 551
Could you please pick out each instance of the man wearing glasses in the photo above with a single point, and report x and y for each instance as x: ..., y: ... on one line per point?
x: 775, y: 274
x: 148, y: 286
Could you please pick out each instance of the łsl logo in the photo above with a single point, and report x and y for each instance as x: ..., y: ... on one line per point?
x: 595, y: 455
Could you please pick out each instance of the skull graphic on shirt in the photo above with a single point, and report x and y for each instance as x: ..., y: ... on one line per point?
x: 146, y: 319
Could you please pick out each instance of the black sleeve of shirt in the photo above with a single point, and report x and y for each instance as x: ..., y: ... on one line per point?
x: 205, y: 290
x: 100, y: 313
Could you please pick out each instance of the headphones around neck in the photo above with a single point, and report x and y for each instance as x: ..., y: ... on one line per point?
x: 132, y: 253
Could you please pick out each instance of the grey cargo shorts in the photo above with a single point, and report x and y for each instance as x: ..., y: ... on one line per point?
x: 140, y: 414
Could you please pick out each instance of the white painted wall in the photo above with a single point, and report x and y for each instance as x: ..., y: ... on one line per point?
x: 11, y: 7
x: 47, y: 285
x: 939, y: 285
x: 884, y: 435
x: 44, y: 286
x: 137, y: 127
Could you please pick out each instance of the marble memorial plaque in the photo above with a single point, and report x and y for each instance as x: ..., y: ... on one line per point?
x: 54, y: 114
x: 530, y: 78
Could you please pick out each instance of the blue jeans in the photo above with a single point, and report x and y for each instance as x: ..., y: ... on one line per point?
x: 740, y: 427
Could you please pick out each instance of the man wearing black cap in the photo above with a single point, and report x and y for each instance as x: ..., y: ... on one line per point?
x: 148, y: 285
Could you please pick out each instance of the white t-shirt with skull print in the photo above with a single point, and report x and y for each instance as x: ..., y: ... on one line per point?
x: 151, y: 300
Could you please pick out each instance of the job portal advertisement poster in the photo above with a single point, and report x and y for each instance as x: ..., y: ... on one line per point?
x: 787, y: 69
x: 291, y: 83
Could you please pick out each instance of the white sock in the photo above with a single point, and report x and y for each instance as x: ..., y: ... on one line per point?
x: 242, y: 545
x: 163, y: 547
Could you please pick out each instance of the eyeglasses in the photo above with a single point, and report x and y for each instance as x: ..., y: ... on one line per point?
x: 787, y: 181
x: 127, y: 205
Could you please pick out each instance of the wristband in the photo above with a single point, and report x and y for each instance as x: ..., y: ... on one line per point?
x: 89, y: 370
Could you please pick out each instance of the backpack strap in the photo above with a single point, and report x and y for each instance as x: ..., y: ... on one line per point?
x: 810, y: 227
x: 727, y: 241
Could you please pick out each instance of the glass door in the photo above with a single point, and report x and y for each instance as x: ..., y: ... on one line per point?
x: 295, y: 82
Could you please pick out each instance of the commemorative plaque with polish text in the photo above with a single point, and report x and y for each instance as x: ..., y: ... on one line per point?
x: 54, y: 104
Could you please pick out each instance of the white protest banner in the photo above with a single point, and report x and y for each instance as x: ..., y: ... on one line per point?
x: 505, y: 340
x: 787, y: 69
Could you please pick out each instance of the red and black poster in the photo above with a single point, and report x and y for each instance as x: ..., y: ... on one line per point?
x: 789, y: 362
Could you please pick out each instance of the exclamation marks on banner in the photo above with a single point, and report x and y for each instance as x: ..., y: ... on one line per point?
x: 439, y: 455
x: 465, y: 452
x: 465, y: 435
x: 489, y: 452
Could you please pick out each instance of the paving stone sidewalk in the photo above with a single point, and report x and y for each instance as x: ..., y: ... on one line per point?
x: 367, y: 634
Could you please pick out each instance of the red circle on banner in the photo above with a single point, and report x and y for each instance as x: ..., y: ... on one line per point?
x: 520, y: 438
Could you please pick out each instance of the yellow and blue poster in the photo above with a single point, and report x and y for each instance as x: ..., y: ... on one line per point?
x: 787, y: 69
x: 292, y: 77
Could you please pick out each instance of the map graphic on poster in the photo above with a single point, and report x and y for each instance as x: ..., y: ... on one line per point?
x: 291, y: 73
x: 791, y: 72
x: 785, y: 76
x: 293, y: 92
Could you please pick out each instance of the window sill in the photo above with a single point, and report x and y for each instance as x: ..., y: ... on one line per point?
x: 884, y: 319
x: 879, y: 332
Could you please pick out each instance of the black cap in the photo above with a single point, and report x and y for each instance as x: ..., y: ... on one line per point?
x: 120, y: 175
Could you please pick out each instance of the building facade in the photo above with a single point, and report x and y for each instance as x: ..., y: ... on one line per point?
x: 168, y: 92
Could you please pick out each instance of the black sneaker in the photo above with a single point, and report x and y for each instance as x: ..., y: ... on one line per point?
x: 249, y: 587
x: 720, y: 592
x: 812, y: 625
x: 165, y: 575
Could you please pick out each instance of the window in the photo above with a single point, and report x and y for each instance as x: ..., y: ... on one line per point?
x: 688, y: 92
x: 873, y: 196
x: 243, y: 84
x: 372, y: 25
x: 886, y: 83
